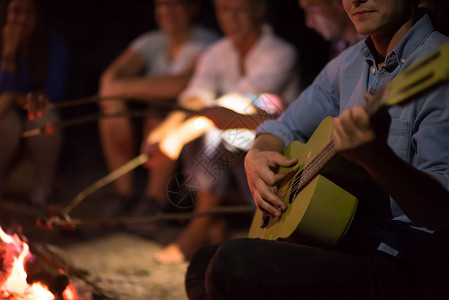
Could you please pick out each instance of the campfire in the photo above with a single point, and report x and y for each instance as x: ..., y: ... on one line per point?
x: 23, y: 278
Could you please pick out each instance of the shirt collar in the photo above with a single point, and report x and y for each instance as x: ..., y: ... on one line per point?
x: 408, y: 44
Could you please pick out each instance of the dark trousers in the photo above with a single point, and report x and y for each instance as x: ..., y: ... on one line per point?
x: 261, y: 269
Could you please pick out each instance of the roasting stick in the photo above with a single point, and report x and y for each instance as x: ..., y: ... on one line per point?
x: 94, y: 99
x: 85, y: 100
x: 49, y: 128
x: 71, y: 224
x: 126, y: 168
x: 63, y: 214
x: 190, y: 129
x: 226, y: 101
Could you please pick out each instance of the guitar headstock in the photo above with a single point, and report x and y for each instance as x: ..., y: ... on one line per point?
x: 415, y: 79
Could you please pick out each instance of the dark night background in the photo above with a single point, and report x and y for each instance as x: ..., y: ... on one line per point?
x: 97, y: 31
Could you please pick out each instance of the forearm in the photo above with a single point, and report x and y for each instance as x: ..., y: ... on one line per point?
x: 268, y: 142
x: 172, y: 121
x: 187, y: 131
x: 246, y: 121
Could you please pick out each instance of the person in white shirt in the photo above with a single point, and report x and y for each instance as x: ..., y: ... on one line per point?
x: 250, y: 58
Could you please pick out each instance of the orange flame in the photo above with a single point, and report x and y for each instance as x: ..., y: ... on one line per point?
x: 16, y: 285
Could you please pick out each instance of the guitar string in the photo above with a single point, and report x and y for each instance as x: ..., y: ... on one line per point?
x: 316, y: 164
x: 311, y: 169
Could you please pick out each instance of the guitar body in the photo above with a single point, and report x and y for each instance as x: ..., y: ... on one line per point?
x: 321, y: 211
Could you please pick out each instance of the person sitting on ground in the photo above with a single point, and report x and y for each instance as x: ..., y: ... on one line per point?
x: 156, y: 67
x: 32, y: 70
x: 397, y: 245
x: 249, y: 59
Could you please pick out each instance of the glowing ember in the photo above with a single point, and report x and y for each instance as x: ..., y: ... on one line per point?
x: 15, y: 286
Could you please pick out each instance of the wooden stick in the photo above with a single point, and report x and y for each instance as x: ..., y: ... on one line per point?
x: 85, y: 100
x: 53, y: 223
x: 50, y: 127
x: 129, y: 166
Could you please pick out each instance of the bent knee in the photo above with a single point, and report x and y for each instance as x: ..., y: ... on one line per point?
x: 230, y: 257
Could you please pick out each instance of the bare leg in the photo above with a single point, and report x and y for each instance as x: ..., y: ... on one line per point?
x: 44, y: 150
x: 158, y: 181
x: 10, y: 130
x: 160, y: 174
x: 117, y: 138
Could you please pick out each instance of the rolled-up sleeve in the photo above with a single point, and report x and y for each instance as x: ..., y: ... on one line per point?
x: 304, y: 115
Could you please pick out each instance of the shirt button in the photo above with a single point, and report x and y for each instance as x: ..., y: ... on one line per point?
x: 373, y: 70
x: 403, y: 60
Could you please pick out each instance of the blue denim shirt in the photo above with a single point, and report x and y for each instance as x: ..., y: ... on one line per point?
x: 419, y: 132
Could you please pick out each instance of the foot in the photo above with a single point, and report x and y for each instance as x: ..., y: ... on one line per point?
x: 171, y: 254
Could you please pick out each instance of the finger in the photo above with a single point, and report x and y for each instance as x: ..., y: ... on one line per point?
x: 265, y: 206
x: 360, y: 117
x: 344, y: 123
x: 350, y: 123
x: 268, y: 172
x: 279, y: 160
x: 268, y: 196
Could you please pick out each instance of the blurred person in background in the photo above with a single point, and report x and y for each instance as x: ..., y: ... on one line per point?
x: 251, y: 58
x: 156, y: 66
x: 329, y: 19
x: 32, y: 66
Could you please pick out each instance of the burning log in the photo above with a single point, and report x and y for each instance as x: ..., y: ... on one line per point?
x: 39, y: 270
x: 26, y: 276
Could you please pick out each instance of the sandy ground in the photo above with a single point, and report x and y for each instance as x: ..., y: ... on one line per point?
x: 122, y: 265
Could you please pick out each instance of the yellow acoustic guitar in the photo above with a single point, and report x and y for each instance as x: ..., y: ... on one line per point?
x: 318, y: 209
